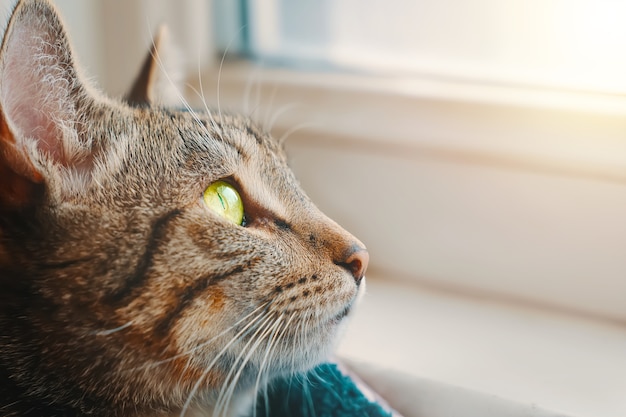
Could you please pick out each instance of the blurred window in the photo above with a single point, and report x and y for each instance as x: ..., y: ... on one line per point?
x: 573, y: 44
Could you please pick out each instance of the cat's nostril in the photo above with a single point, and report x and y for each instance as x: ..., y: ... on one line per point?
x: 356, y: 262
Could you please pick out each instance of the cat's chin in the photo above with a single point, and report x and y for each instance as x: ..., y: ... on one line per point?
x: 344, y: 314
x: 328, y: 334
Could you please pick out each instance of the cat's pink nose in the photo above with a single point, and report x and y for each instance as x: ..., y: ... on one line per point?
x: 356, y: 262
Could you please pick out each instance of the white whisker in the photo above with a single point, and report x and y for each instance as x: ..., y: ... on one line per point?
x: 265, y: 362
x: 294, y: 129
x: 203, y: 344
x: 214, y: 124
x: 219, y: 79
x: 253, y: 78
x: 179, y: 95
x: 306, y: 393
x: 227, y: 380
x: 111, y: 331
x: 219, y: 72
x: 269, y: 105
x: 200, y: 380
x: 257, y: 341
x: 203, y: 99
x: 298, y: 344
x: 270, y: 125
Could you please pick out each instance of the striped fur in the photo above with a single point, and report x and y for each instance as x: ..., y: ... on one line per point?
x: 121, y: 293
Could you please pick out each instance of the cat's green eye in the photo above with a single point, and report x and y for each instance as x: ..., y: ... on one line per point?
x: 222, y: 198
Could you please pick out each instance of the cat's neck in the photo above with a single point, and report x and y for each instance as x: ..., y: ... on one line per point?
x: 239, y: 406
x: 17, y: 402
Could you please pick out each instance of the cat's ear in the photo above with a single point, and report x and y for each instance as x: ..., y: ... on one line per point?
x: 41, y: 97
x: 158, y: 80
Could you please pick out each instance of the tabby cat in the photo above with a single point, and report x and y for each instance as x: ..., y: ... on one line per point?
x: 154, y: 261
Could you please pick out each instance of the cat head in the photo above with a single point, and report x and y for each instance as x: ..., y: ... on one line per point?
x: 149, y: 256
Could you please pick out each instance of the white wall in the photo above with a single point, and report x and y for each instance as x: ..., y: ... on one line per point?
x: 112, y: 37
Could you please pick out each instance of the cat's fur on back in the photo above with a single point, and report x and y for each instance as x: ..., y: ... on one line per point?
x: 121, y: 292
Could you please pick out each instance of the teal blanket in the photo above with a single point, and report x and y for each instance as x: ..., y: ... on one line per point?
x: 324, y: 391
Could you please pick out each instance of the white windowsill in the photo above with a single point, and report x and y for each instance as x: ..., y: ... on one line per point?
x: 566, y: 364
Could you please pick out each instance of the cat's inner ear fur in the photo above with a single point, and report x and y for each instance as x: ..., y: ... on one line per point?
x: 159, y: 77
x: 41, y: 96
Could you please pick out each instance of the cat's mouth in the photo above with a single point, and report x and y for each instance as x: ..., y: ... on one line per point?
x: 336, y: 319
x: 339, y: 317
x: 342, y: 314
